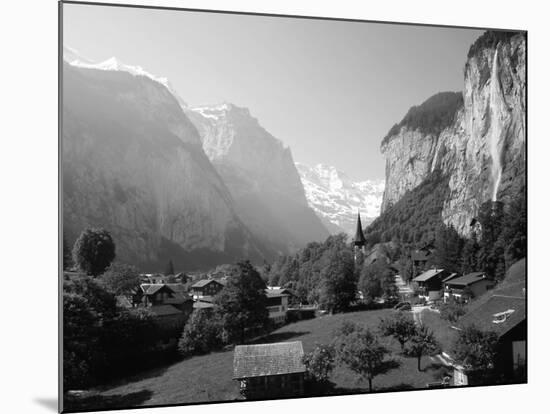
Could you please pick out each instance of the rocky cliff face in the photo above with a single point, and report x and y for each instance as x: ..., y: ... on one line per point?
x: 260, y: 174
x: 482, y: 148
x: 336, y: 198
x: 133, y: 163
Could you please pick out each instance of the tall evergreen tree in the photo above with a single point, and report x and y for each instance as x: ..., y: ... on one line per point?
x: 169, y: 268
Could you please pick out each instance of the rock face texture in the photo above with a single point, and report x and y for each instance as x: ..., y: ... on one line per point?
x: 482, y: 149
x: 133, y: 163
x: 336, y: 198
x: 261, y: 176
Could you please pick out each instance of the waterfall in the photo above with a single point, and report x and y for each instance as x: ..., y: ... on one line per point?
x: 497, y: 115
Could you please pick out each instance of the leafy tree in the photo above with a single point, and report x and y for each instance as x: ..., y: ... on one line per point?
x: 491, y: 216
x: 67, y: 259
x: 169, y: 269
x: 476, y: 350
x: 93, y: 251
x: 202, y: 334
x: 320, y: 362
x: 121, y: 278
x: 423, y: 342
x: 400, y: 325
x: 362, y: 352
x: 241, y: 304
x: 339, y: 285
x: 377, y: 281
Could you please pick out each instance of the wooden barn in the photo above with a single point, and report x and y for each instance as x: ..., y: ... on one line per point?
x: 270, y: 370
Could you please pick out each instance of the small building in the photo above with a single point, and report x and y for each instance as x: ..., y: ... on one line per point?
x: 206, y: 287
x: 464, y: 288
x: 430, y: 284
x: 270, y: 370
x: 277, y: 304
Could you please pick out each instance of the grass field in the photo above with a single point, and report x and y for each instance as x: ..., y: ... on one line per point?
x: 208, y: 377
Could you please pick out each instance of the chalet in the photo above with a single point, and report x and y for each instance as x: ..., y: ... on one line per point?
x: 277, y: 304
x: 270, y: 370
x: 165, y: 294
x: 430, y: 283
x: 502, y: 311
x: 464, y: 288
x: 206, y: 287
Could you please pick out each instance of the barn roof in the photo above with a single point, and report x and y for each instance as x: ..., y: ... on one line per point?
x: 467, y: 280
x: 204, y: 282
x: 428, y: 274
x: 268, y: 359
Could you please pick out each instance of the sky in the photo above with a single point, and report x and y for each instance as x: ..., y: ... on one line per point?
x: 330, y: 90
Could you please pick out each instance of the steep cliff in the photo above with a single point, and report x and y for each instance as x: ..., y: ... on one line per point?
x: 133, y: 163
x: 475, y: 140
x: 261, y: 176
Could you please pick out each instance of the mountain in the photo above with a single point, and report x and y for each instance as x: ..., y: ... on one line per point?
x: 465, y: 148
x: 336, y: 198
x: 133, y: 163
x: 261, y: 176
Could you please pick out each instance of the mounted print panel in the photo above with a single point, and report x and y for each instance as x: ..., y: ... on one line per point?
x: 262, y: 207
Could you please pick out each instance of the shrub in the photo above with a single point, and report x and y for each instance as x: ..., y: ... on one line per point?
x: 201, y: 334
x: 320, y: 362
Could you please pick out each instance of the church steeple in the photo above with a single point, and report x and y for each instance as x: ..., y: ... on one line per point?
x: 359, y: 239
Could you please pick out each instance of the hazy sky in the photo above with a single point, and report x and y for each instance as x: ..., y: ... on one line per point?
x: 328, y: 89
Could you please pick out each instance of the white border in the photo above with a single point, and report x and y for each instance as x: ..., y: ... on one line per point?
x: 29, y: 204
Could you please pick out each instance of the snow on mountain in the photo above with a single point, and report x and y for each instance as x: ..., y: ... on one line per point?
x: 72, y: 57
x: 336, y: 198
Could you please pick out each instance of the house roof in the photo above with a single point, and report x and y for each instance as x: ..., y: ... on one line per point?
x: 176, y: 287
x: 204, y: 282
x: 268, y: 359
x: 484, y: 316
x: 467, y: 280
x: 165, y: 310
x: 451, y: 276
x: 428, y: 274
x: 277, y: 292
x: 152, y: 288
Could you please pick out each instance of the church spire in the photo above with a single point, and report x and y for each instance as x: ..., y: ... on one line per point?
x: 359, y: 239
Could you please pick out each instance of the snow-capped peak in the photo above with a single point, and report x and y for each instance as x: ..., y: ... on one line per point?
x: 336, y: 198
x: 72, y: 57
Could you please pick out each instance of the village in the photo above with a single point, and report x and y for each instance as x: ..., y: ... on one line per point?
x: 426, y: 316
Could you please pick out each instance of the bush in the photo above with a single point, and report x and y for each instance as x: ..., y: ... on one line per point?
x: 320, y: 362
x: 202, y: 334
x: 451, y: 311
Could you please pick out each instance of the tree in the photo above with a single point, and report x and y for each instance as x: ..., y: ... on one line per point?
x: 361, y: 351
x: 320, y: 362
x: 93, y: 251
x: 448, y: 249
x: 201, y: 334
x: 169, y: 269
x: 476, y: 351
x: 400, y: 325
x: 338, y: 282
x: 470, y: 254
x: 67, y: 259
x: 121, y: 278
x: 241, y: 304
x: 423, y: 342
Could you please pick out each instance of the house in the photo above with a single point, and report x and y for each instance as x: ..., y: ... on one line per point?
x: 464, y: 288
x: 277, y: 304
x: 503, y: 311
x: 270, y: 370
x: 206, y: 287
x: 430, y: 283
